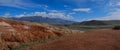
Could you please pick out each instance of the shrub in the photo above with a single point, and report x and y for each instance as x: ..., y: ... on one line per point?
x: 116, y: 27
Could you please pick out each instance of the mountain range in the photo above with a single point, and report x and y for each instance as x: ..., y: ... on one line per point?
x: 41, y: 19
x: 48, y: 20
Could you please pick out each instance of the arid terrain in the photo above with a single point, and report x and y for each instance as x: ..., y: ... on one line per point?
x: 91, y: 40
x: 21, y: 35
x: 59, y: 24
x: 15, y: 33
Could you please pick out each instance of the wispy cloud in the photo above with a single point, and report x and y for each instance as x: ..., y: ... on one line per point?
x: 56, y: 11
x: 115, y: 15
x: 113, y: 11
x: 82, y: 10
x: 71, y: 13
x: 6, y: 15
x: 65, y: 6
x: 11, y: 3
x: 21, y: 4
x: 114, y: 3
x: 118, y: 4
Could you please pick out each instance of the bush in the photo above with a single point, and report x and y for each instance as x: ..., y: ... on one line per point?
x: 116, y: 28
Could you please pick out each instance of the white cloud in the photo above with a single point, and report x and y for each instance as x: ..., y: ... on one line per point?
x: 82, y: 10
x: 42, y: 14
x: 112, y: 16
x: 45, y: 14
x: 59, y: 15
x: 21, y: 15
x: 57, y: 11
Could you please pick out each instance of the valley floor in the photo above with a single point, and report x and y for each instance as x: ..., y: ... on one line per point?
x: 91, y: 40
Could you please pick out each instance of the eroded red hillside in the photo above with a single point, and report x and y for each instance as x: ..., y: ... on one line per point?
x: 13, y: 33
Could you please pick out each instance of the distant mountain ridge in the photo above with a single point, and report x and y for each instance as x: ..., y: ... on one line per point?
x: 98, y: 22
x: 43, y: 20
x: 48, y: 20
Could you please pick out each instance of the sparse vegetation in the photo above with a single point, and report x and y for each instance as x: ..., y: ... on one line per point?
x: 91, y: 40
x: 87, y: 28
x: 116, y: 27
x: 22, y: 46
x: 27, y: 34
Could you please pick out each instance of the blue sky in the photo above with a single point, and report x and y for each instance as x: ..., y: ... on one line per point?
x: 77, y: 10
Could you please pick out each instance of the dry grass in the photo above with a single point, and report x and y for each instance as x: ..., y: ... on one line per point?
x: 91, y: 40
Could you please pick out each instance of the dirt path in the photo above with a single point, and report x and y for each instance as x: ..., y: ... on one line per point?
x: 92, y: 40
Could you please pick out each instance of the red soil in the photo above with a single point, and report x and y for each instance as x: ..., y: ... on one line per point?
x: 13, y: 33
x: 91, y: 40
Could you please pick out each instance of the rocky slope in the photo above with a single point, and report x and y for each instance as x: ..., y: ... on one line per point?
x: 15, y: 33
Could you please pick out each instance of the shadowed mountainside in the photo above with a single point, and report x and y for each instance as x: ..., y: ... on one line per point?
x: 98, y: 22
